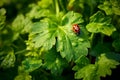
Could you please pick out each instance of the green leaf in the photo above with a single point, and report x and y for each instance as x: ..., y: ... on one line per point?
x: 54, y: 62
x: 23, y: 76
x: 72, y: 18
x: 9, y: 60
x: 81, y: 48
x: 45, y: 35
x: 64, y: 45
x: 18, y: 22
x: 87, y: 73
x: 116, y: 44
x: 107, y: 7
x: 37, y: 12
x: 2, y: 17
x: 105, y: 65
x: 81, y: 62
x: 31, y: 64
x: 94, y: 71
x: 100, y: 23
x: 49, y: 32
x: 110, y: 7
x: 68, y: 43
x: 20, y: 25
x: 45, y: 3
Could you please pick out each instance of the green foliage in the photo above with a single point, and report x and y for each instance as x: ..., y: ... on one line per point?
x: 23, y: 25
x: 30, y: 64
x: 44, y: 34
x: 110, y: 7
x: 116, y: 44
x: 104, y: 65
x: 37, y: 39
x: 87, y: 73
x: 56, y: 64
x: 23, y: 76
x: 9, y: 59
x: 2, y: 18
x: 101, y: 68
x: 100, y: 23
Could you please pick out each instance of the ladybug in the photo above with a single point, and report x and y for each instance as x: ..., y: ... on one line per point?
x: 76, y: 29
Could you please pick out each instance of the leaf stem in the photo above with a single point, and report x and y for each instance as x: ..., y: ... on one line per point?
x: 62, y: 5
x: 57, y: 7
x: 45, y: 72
x: 91, y: 43
x: 21, y: 51
x: 91, y: 38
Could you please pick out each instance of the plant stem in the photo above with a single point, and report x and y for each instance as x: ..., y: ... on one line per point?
x: 21, y: 51
x: 91, y: 38
x: 91, y: 43
x: 62, y: 5
x: 57, y: 7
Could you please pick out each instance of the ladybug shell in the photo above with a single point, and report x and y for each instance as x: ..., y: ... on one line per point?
x: 76, y: 28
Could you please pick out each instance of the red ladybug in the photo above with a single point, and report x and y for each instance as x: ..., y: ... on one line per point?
x: 76, y: 29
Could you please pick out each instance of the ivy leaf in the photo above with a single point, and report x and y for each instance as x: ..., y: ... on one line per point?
x: 110, y: 7
x: 49, y: 32
x: 94, y: 71
x: 31, y: 64
x: 54, y: 62
x: 64, y: 45
x: 68, y: 43
x: 9, y: 60
x: 87, y: 73
x: 81, y: 48
x: 81, y: 62
x: 21, y: 25
x: 116, y: 44
x: 2, y: 17
x: 100, y: 23
x: 72, y: 18
x: 45, y: 34
x: 107, y: 7
x: 105, y: 65
x: 45, y: 3
x: 37, y: 12
x: 23, y: 76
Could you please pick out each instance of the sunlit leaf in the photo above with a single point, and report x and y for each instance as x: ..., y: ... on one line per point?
x: 105, y: 65
x: 87, y: 73
x: 23, y: 76
x: 37, y: 12
x: 31, y: 64
x: 68, y: 43
x: 49, y: 32
x: 45, y: 35
x: 107, y: 7
x: 20, y: 25
x: 100, y: 23
x: 72, y: 18
x: 101, y: 68
x: 110, y: 7
x: 45, y: 3
x: 9, y: 59
x: 2, y: 17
